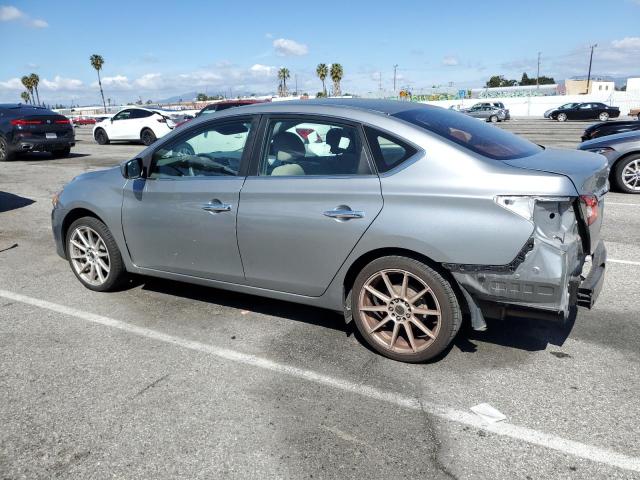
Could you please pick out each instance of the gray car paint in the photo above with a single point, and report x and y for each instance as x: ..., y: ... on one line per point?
x: 440, y: 205
x: 623, y: 144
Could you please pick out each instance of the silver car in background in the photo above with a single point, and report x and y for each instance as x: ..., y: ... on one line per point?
x: 406, y: 218
x: 489, y: 112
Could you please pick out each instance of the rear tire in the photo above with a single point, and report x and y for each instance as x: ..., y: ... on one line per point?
x: 64, y: 153
x: 5, y: 154
x: 562, y: 117
x: 603, y: 117
x: 96, y: 260
x: 101, y: 137
x: 413, y: 315
x: 493, y: 119
x: 626, y: 174
x: 147, y: 136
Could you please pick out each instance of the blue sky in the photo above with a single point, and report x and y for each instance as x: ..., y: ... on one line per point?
x: 160, y: 49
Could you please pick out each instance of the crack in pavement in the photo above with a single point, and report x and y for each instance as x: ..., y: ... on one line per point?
x: 437, y: 445
x: 151, y: 385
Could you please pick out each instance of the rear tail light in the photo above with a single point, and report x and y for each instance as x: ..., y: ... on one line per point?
x: 590, y: 208
x: 63, y: 122
x: 19, y: 122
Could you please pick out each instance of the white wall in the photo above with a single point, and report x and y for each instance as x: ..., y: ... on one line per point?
x: 536, y: 106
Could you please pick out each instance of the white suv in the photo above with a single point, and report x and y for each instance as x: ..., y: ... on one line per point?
x: 139, y: 124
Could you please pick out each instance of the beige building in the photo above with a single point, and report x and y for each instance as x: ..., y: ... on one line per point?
x: 579, y: 87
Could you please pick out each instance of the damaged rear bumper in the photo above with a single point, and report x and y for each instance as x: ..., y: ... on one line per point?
x: 545, y: 280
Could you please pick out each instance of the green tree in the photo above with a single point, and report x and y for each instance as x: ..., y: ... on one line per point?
x: 283, y: 76
x: 25, y: 97
x: 28, y: 84
x: 97, y: 62
x: 201, y: 97
x: 322, y: 71
x: 35, y: 81
x: 499, y: 81
x: 336, y: 76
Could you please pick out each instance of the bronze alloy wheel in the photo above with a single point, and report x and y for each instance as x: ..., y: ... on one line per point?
x: 405, y: 309
x: 400, y: 311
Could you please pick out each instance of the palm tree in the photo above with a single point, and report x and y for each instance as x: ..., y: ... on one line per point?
x: 283, y: 75
x: 35, y: 80
x: 26, y: 81
x: 25, y: 97
x: 322, y: 71
x: 97, y: 62
x: 336, y: 76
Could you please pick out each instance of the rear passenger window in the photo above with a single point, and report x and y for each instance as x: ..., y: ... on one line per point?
x: 310, y: 148
x: 388, y: 152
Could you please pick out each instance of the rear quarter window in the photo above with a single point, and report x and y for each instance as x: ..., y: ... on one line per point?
x: 479, y: 137
x: 388, y: 151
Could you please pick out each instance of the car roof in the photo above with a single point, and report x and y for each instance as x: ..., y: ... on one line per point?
x: 335, y: 105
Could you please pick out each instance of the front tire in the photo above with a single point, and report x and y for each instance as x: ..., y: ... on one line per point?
x: 562, y: 117
x: 404, y: 309
x: 603, y: 117
x: 147, y: 137
x: 6, y: 155
x: 94, y: 256
x: 626, y: 174
x: 101, y: 137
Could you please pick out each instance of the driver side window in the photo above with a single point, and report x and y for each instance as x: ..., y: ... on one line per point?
x: 215, y: 151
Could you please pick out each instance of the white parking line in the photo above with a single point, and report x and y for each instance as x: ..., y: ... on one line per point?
x: 624, y: 262
x: 528, y: 435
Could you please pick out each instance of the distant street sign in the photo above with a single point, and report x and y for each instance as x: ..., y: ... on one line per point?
x: 462, y: 93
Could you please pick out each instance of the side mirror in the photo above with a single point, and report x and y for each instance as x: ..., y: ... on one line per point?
x: 132, y: 169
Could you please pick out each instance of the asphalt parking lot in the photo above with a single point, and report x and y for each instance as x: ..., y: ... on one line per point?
x: 168, y: 380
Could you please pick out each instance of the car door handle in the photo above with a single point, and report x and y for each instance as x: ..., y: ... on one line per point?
x: 216, y: 206
x: 343, y: 213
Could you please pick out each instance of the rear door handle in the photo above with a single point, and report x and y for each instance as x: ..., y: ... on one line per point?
x: 216, y: 206
x: 343, y: 213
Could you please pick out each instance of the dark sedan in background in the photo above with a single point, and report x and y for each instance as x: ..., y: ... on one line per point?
x: 622, y: 151
x: 585, y: 111
x: 609, y: 128
x: 28, y: 128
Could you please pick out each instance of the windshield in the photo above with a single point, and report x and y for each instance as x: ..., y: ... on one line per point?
x: 479, y: 137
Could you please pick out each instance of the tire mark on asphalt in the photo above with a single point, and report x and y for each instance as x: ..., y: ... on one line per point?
x: 151, y: 385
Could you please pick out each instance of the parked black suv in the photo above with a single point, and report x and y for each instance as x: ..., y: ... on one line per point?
x: 27, y: 128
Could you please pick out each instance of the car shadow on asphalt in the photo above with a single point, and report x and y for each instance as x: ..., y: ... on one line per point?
x: 242, y: 301
x: 9, y: 201
x: 520, y: 333
x: 43, y: 156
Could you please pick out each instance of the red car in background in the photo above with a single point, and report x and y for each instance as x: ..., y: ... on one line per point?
x: 223, y: 105
x: 83, y: 121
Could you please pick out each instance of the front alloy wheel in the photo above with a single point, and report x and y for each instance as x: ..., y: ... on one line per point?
x: 604, y: 116
x: 562, y: 117
x: 93, y: 255
x: 404, y: 309
x: 627, y: 174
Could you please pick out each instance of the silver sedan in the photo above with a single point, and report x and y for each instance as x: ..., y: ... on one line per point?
x: 408, y: 219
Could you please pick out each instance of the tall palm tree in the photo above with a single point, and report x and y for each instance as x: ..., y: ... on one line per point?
x: 336, y: 75
x: 283, y: 75
x: 26, y: 81
x: 35, y: 81
x: 25, y: 97
x: 97, y: 62
x: 322, y: 71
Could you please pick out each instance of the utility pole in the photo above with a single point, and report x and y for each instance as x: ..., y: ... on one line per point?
x: 380, y: 81
x: 538, y: 74
x: 590, y: 62
x: 395, y: 68
x: 296, y: 79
